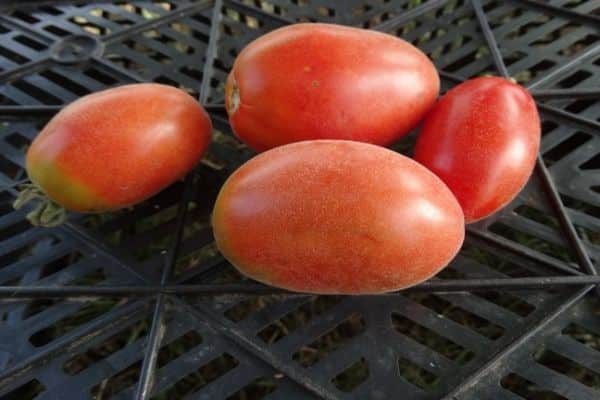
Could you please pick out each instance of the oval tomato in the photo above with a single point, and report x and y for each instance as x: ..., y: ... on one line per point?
x: 320, y: 81
x: 117, y: 147
x: 333, y: 216
x: 482, y: 140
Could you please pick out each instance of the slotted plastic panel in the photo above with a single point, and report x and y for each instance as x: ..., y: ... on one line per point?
x: 82, y: 312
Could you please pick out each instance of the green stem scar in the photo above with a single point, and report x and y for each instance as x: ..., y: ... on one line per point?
x: 47, y: 213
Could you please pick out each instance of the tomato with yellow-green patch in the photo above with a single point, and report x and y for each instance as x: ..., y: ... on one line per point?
x: 117, y: 147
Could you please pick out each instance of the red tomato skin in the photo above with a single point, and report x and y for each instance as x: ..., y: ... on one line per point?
x: 482, y: 139
x: 333, y: 216
x: 322, y: 81
x: 117, y: 147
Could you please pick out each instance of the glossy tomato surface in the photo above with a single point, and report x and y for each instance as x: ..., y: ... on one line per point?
x: 117, y: 147
x: 322, y: 81
x: 482, y: 140
x: 331, y: 216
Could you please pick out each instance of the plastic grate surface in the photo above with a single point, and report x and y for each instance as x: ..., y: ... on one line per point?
x: 471, y: 341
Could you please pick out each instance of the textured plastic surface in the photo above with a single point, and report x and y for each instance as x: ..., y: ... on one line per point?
x: 83, y: 315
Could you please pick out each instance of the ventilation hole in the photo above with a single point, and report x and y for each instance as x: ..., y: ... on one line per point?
x: 568, y: 367
x: 94, y: 354
x: 60, y: 264
x: 6, y: 200
x: 330, y: 341
x: 352, y: 376
x: 192, y: 73
x: 430, y: 339
x: 416, y: 375
x: 27, y: 391
x: 33, y: 44
x: 528, y: 389
x: 92, y: 278
x: 67, y: 324
x: 16, y: 255
x: 36, y: 92
x: 297, y: 318
x: 538, y: 216
x: 461, y: 62
x: 575, y: 204
x: 507, y: 301
x: 166, y: 81
x: 176, y: 348
x: 55, y: 30
x: 108, y: 388
x: 197, y: 258
x: 514, y: 57
x: 458, y: 315
x: 17, y: 141
x: 583, y: 335
x: 15, y: 229
x: 491, y: 260
x: 565, y: 147
x: 244, y: 308
x: 579, y: 45
x: 592, y: 163
x: 50, y: 10
x: 3, y: 29
x: 574, y: 79
x: 257, y: 389
x: 88, y: 26
x: 533, y: 242
x: 201, y: 377
x: 25, y: 17
x: 542, y: 66
x: 548, y: 126
x: 126, y: 62
x: 100, y: 76
x: 580, y: 105
x: 37, y: 306
x: 66, y: 83
x: 11, y: 55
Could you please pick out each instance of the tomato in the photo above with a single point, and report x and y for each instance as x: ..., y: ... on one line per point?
x: 117, y: 147
x: 334, y: 216
x: 482, y: 140
x: 321, y: 81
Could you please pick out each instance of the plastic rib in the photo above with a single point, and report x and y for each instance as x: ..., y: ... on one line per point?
x: 450, y: 285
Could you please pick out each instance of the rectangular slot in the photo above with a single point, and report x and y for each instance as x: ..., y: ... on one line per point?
x: 583, y: 336
x: 458, y: 315
x: 507, y: 301
x: 527, y: 389
x: 257, y: 389
x: 565, y: 147
x: 95, y: 354
x: 568, y: 367
x: 432, y: 340
x: 196, y: 380
x: 27, y: 391
x: 71, y: 322
x: 59, y: 264
x: 297, y: 318
x: 245, y: 308
x: 533, y: 242
x: 29, y: 42
x: 416, y: 375
x: 178, y: 347
x: 351, y: 327
x: 351, y: 377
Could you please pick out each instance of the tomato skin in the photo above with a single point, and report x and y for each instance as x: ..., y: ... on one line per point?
x: 117, y: 147
x: 333, y: 216
x: 482, y: 139
x: 322, y: 81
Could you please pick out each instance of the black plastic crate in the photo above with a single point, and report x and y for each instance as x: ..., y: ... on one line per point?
x: 139, y: 304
